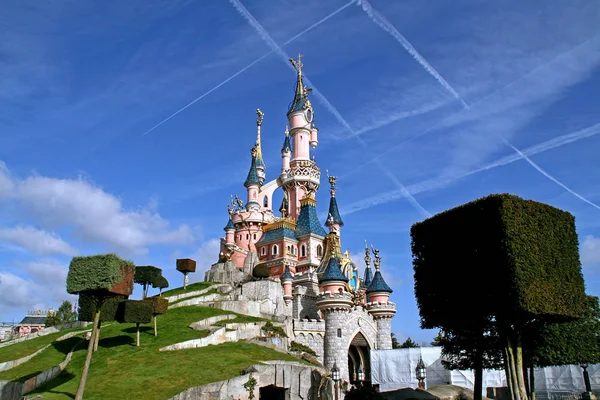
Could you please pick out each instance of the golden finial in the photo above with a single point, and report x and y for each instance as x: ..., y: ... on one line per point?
x: 260, y: 115
x: 332, y: 180
x: 297, y: 64
x: 377, y: 261
x: 367, y: 254
x: 287, y: 131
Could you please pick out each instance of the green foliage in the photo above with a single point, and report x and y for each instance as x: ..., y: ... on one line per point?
x: 250, y: 385
x: 108, y: 311
x: 190, y: 288
x: 135, y: 311
x: 567, y: 342
x: 272, y: 330
x: 438, y: 340
x: 159, y: 305
x: 395, y: 344
x: 528, y: 250
x: 63, y: 315
x: 409, y: 344
x: 363, y: 393
x: 100, y: 273
x: 161, y: 283
x: 471, y: 347
x: 186, y: 265
x: 261, y: 271
x: 296, y: 347
x: 146, y: 275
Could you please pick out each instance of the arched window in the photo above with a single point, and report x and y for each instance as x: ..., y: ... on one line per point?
x: 303, y: 251
x: 247, y: 236
x: 266, y: 202
x: 254, y: 236
x: 275, y: 250
x: 319, y: 251
x: 263, y: 251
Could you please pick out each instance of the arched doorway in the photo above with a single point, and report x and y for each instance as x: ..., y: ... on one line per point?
x: 359, y: 357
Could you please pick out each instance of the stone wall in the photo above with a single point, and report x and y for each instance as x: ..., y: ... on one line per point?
x: 384, y: 333
x: 46, y: 331
x: 226, y: 272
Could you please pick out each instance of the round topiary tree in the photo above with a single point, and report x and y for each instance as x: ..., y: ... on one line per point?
x: 136, y: 312
x: 185, y: 266
x: 146, y: 276
x: 159, y: 306
x: 261, y: 271
x: 100, y: 277
x: 161, y: 283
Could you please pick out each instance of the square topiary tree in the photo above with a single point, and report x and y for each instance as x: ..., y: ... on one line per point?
x: 136, y: 312
x: 522, y: 259
x: 185, y: 266
x: 146, y: 276
x: 99, y: 277
x: 161, y: 283
x: 108, y: 311
x: 159, y: 306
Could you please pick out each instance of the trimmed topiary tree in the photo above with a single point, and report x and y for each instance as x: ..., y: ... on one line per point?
x: 100, y: 277
x: 146, y: 276
x: 261, y: 271
x: 136, y: 312
x: 161, y: 283
x: 185, y: 266
x: 108, y: 311
x: 522, y: 258
x: 159, y: 306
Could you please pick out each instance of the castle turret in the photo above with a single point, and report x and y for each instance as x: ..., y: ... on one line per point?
x: 253, y: 183
x: 380, y: 307
x: 229, y: 232
x: 260, y: 164
x: 286, y: 153
x: 286, y: 281
x: 334, y: 220
x: 310, y: 234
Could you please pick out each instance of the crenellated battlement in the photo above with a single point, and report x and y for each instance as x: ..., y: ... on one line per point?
x: 309, y: 325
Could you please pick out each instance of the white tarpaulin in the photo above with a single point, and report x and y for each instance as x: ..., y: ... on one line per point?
x: 395, y: 369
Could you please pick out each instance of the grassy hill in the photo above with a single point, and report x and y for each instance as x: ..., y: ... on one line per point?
x: 120, y: 370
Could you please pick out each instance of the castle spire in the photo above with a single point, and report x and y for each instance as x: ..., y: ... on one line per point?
x: 368, y: 277
x: 378, y: 285
x: 300, y: 101
x: 334, y: 220
x: 260, y: 164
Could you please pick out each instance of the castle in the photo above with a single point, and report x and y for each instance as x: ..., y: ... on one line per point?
x: 325, y: 305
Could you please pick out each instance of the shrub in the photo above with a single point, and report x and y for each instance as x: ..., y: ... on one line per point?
x: 261, y: 271
x: 161, y: 283
x: 108, y: 311
x: 186, y: 265
x: 300, y: 348
x: 146, y: 274
x: 105, y: 273
x: 136, y: 311
x: 272, y: 330
x: 159, y: 305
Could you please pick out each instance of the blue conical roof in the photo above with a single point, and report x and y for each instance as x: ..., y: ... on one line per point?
x: 333, y: 272
x: 252, y: 174
x: 368, y: 277
x: 335, y: 213
x: 378, y: 284
x: 308, y: 222
x: 300, y: 96
x: 229, y: 225
x: 287, y: 274
x: 287, y: 145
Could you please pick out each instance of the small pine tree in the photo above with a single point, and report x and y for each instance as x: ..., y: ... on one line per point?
x: 409, y: 344
x: 438, y: 340
x: 395, y: 344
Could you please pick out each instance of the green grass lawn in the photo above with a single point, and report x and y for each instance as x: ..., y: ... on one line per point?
x: 120, y: 370
x: 23, y: 349
x: 190, y: 288
x: 211, y: 291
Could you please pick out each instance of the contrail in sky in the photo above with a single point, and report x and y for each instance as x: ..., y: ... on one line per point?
x: 319, y: 22
x: 432, y: 184
x: 264, y: 35
x: 547, y: 175
x: 387, y: 26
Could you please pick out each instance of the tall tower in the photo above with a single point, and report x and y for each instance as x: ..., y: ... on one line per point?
x: 380, y: 306
x: 260, y: 164
x: 334, y: 220
x: 303, y: 176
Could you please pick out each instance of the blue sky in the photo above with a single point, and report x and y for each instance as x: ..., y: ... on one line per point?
x: 420, y: 108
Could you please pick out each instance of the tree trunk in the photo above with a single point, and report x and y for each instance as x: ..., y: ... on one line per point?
x: 526, y: 376
x: 512, y: 375
x: 138, y: 334
x: 514, y: 359
x: 532, y: 382
x: 519, y: 364
x: 97, y: 338
x: 88, y: 357
x: 155, y: 330
x: 145, y: 291
x: 185, y: 280
x: 478, y: 372
x: 507, y: 373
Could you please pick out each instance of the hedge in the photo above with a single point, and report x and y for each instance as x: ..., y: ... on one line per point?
x: 161, y: 283
x: 100, y: 273
x: 521, y: 257
x: 186, y: 265
x: 300, y: 348
x: 136, y: 311
x: 159, y: 304
x: 261, y: 271
x: 108, y: 311
x: 146, y: 274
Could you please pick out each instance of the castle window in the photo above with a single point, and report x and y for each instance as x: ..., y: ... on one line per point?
x: 266, y: 202
x: 263, y: 251
x: 303, y: 251
x: 275, y: 250
x: 319, y: 251
x: 254, y: 236
x: 339, y: 333
x: 247, y: 236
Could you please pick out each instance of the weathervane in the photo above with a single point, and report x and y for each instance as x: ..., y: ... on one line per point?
x: 332, y: 180
x: 377, y: 261
x: 367, y: 254
x: 297, y: 64
x: 260, y: 114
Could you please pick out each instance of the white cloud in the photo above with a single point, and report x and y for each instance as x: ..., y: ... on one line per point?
x: 6, y: 183
x: 205, y: 256
x: 94, y: 215
x: 590, y: 251
x: 35, y: 240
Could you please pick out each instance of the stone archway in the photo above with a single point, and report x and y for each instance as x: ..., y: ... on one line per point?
x: 359, y: 355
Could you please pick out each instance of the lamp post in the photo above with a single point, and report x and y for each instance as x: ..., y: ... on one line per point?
x: 421, y: 372
x: 586, y: 377
x: 361, y: 376
x: 335, y: 375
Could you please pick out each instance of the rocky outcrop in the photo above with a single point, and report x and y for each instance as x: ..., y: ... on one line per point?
x: 224, y: 272
x: 297, y: 380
